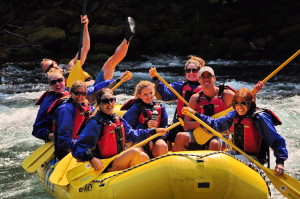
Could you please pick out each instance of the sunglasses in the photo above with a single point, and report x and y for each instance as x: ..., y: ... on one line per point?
x: 108, y: 100
x: 79, y: 93
x: 53, y: 82
x: 242, y: 103
x: 191, y: 70
x: 50, y: 66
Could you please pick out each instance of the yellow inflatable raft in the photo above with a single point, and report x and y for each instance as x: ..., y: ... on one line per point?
x: 181, y: 175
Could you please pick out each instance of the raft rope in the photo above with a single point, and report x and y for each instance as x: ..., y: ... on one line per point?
x: 249, y: 164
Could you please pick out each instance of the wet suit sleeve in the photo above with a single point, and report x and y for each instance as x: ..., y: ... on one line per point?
x: 137, y: 135
x: 265, y: 126
x: 65, y: 123
x: 221, y: 124
x: 166, y: 93
x: 131, y: 116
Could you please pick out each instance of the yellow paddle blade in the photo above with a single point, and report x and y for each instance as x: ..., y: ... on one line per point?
x: 285, y: 184
x: 222, y: 113
x: 75, y: 74
x: 38, y: 157
x: 58, y: 176
x: 117, y: 110
x: 84, y: 172
x: 202, y: 135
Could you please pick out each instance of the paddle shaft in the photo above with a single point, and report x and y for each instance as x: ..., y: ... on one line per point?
x: 120, y: 82
x: 81, y: 30
x: 266, y: 170
x: 172, y: 89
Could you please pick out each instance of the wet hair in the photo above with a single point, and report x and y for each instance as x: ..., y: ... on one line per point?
x: 78, y: 84
x: 54, y: 72
x: 199, y: 62
x: 246, y: 95
x: 101, y: 93
x: 141, y: 85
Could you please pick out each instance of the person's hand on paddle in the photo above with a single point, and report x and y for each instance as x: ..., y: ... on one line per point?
x: 279, y: 169
x: 188, y: 109
x: 163, y: 131
x: 128, y: 74
x: 152, y: 72
x: 258, y: 87
x: 84, y: 20
x: 97, y: 164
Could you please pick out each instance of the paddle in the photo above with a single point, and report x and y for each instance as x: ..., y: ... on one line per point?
x: 129, y: 75
x: 223, y: 113
x: 169, y: 86
x: 85, y: 173
x: 38, y: 157
x: 76, y: 72
x: 202, y: 136
x: 286, y: 185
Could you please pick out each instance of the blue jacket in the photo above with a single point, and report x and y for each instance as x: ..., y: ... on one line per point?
x: 65, y: 116
x: 133, y: 113
x: 263, y: 123
x: 88, y: 138
x: 43, y: 122
x: 167, y: 94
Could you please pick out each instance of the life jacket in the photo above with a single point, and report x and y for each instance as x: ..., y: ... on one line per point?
x: 246, y: 135
x: 82, y: 113
x: 212, y: 106
x: 146, y: 113
x: 45, y: 94
x: 112, y: 138
x: 186, y: 92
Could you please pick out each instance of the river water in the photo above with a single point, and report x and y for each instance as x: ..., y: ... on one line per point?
x: 20, y: 88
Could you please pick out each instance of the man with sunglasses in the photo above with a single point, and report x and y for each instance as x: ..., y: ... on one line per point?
x: 107, y: 70
x: 253, y: 127
x: 210, y: 100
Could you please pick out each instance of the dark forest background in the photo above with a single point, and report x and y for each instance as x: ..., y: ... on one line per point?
x: 258, y: 29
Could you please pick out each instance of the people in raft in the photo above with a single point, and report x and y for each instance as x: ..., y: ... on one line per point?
x: 254, y: 130
x: 107, y: 70
x: 210, y: 100
x: 146, y: 113
x: 69, y: 117
x: 42, y: 127
x: 185, y: 88
x: 106, y: 134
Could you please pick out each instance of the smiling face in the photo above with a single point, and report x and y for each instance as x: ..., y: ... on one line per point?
x: 206, y: 79
x: 191, y: 72
x: 241, y: 106
x: 47, y: 64
x: 107, y: 103
x: 147, y: 95
x: 57, y: 83
x: 78, y: 94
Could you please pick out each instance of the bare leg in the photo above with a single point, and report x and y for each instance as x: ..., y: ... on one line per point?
x: 182, y: 141
x: 128, y: 159
x: 160, y: 147
x: 214, y: 145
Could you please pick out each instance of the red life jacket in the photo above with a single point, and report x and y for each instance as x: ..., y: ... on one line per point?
x: 186, y: 92
x: 45, y: 94
x: 112, y: 139
x: 146, y: 113
x: 246, y: 135
x: 212, y: 106
x: 82, y: 113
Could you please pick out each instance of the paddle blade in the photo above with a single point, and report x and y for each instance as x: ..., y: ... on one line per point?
x: 285, y: 184
x: 201, y: 135
x: 75, y: 74
x: 38, y: 157
x: 58, y: 176
x: 222, y: 113
x: 84, y: 172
